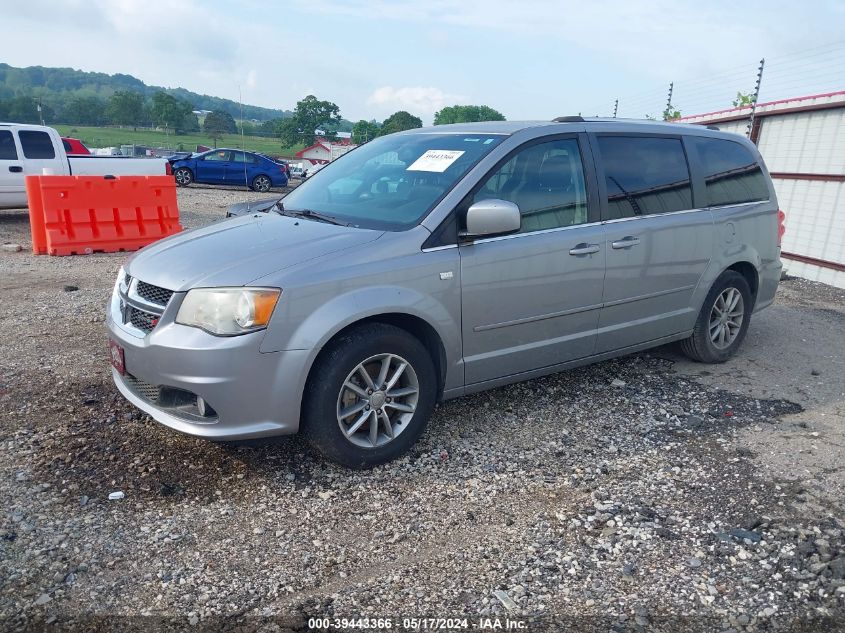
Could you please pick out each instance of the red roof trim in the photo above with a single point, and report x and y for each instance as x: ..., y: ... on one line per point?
x: 760, y: 105
x: 301, y: 152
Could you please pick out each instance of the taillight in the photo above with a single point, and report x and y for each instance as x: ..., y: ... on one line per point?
x: 168, y: 169
x: 781, y: 225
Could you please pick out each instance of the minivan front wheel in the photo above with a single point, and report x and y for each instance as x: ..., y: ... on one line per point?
x: 369, y: 396
x: 722, y: 322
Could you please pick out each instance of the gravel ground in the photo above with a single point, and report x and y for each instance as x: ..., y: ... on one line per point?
x: 644, y: 493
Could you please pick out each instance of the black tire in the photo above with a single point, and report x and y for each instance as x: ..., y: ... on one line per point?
x: 183, y: 176
x: 261, y: 183
x: 320, y: 424
x: 700, y: 346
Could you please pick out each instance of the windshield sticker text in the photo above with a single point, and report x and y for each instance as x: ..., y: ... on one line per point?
x: 436, y: 160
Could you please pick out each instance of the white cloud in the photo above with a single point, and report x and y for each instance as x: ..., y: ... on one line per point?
x: 251, y: 78
x: 425, y: 100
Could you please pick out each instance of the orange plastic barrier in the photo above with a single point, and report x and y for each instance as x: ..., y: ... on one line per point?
x: 71, y: 215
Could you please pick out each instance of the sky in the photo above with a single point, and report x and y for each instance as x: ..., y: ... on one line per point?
x: 528, y: 59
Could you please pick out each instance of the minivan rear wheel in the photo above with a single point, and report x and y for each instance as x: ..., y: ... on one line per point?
x: 369, y: 396
x: 722, y: 322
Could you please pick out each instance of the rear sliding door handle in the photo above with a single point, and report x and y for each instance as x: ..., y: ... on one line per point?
x: 625, y: 242
x: 16, y: 169
x: 584, y: 249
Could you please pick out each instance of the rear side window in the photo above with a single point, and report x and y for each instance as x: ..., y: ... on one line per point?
x: 240, y: 157
x: 546, y: 181
x: 7, y: 146
x: 731, y: 173
x: 644, y: 175
x: 36, y: 144
x: 66, y: 145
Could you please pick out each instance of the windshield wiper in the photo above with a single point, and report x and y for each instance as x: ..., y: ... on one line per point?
x: 312, y: 215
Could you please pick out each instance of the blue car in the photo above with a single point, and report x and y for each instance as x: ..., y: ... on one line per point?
x: 230, y: 167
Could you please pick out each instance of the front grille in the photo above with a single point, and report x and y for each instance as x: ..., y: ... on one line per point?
x: 127, y: 278
x: 144, y: 321
x: 143, y: 389
x: 153, y: 294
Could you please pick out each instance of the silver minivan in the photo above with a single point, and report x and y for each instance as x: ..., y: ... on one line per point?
x: 441, y: 261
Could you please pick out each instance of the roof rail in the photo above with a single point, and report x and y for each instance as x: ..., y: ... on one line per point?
x: 568, y: 119
x: 713, y: 127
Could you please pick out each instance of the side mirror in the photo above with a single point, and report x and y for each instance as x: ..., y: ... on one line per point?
x: 492, y: 217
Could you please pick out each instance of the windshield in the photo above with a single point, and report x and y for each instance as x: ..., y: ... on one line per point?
x: 391, y: 183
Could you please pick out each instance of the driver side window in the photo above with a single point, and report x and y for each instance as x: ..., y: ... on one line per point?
x: 217, y: 156
x: 546, y: 182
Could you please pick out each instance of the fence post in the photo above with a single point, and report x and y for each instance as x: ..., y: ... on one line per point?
x: 751, y: 131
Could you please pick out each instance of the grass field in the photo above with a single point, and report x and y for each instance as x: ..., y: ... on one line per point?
x: 111, y: 137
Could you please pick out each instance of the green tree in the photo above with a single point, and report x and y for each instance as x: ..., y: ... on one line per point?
x: 85, y: 111
x: 671, y: 113
x: 126, y: 107
x: 217, y: 124
x: 23, y: 109
x: 743, y: 99
x: 190, y: 123
x: 467, y: 114
x: 170, y: 112
x: 399, y: 121
x: 310, y: 114
x: 364, y: 131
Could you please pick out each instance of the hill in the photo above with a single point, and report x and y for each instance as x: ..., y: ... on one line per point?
x: 57, y: 86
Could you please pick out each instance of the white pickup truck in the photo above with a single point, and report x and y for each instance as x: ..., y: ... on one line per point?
x: 30, y: 149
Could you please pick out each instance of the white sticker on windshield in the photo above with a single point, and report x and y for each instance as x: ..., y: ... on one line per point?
x: 436, y: 160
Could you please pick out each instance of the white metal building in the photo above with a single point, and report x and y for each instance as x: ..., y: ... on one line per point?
x: 802, y: 141
x: 323, y: 151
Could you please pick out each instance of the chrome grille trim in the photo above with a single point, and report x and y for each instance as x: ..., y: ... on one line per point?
x: 141, y: 305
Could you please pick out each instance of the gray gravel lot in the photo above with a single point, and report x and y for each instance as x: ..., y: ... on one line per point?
x: 644, y: 493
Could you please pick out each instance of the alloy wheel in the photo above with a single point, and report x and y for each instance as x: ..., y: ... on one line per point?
x: 377, y: 400
x: 726, y: 318
x: 262, y: 183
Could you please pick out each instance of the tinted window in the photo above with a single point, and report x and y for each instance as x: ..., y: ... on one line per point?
x: 218, y: 156
x: 731, y: 173
x: 66, y: 145
x: 7, y: 146
x: 241, y: 157
x: 644, y: 175
x: 546, y: 181
x: 36, y: 144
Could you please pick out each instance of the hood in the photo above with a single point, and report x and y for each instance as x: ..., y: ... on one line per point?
x: 237, y: 251
x: 243, y: 208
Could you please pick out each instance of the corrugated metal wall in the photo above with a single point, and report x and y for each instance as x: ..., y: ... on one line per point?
x: 805, y: 152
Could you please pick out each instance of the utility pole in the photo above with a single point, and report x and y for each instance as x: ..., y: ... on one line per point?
x: 615, y: 108
x: 749, y: 131
x: 668, y: 102
x: 40, y: 112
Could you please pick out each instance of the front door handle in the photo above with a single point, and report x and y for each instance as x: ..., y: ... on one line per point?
x: 16, y: 169
x: 625, y: 242
x: 584, y: 249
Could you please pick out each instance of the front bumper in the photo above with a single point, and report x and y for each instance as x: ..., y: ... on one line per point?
x: 253, y: 394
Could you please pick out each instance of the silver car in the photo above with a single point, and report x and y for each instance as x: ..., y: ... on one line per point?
x: 437, y: 262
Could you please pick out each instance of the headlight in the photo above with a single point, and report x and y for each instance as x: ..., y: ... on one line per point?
x: 228, y: 311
